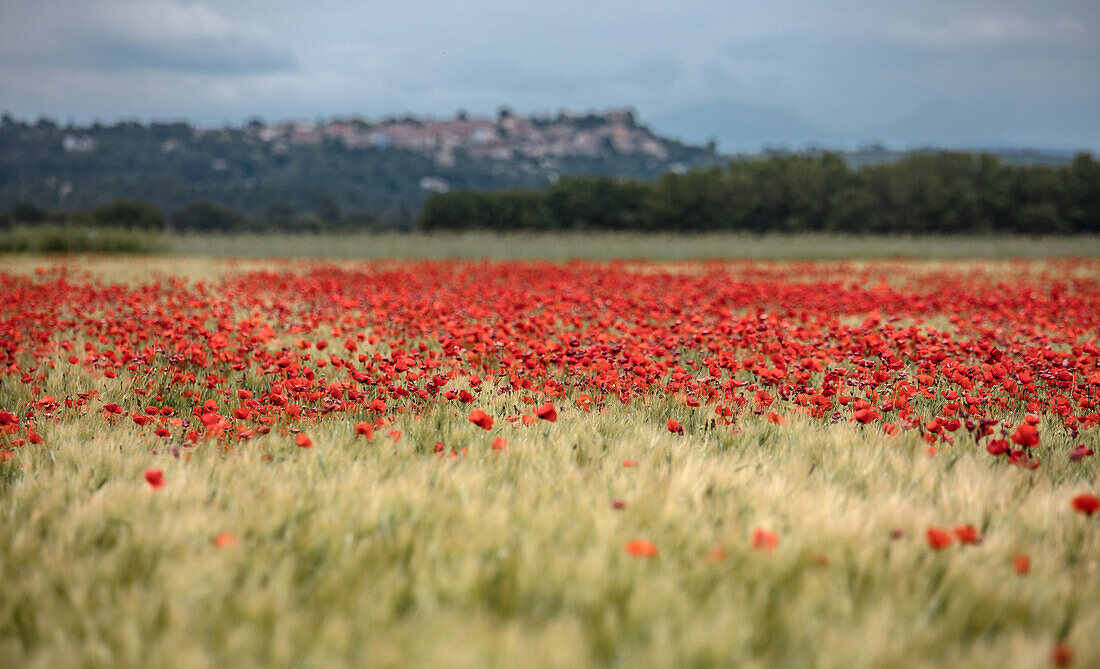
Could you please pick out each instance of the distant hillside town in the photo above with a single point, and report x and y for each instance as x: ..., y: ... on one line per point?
x: 505, y: 137
x: 352, y: 172
x: 326, y: 169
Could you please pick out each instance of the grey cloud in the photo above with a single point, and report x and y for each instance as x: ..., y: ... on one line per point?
x: 203, y: 55
x: 154, y: 35
x: 657, y: 71
x: 788, y: 71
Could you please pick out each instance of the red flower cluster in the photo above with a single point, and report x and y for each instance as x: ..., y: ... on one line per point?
x: 279, y: 350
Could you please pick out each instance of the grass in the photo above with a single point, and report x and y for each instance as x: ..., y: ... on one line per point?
x: 379, y: 553
x: 57, y: 239
x: 612, y: 245
x: 357, y: 552
x: 551, y: 246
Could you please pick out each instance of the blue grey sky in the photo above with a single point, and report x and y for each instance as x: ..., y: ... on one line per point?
x: 962, y: 73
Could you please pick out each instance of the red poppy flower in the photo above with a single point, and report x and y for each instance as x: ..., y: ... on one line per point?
x: 547, y: 412
x: 481, y: 419
x: 715, y: 554
x: 864, y: 416
x: 364, y: 429
x: 967, y: 534
x: 1021, y: 564
x: 618, y: 504
x: 225, y: 540
x: 303, y: 440
x: 674, y: 426
x: 1026, y: 435
x: 1061, y: 655
x: 641, y: 548
x: 764, y: 540
x: 938, y: 538
x: 1087, y: 504
x: 997, y: 447
x: 155, y: 478
x: 1079, y: 453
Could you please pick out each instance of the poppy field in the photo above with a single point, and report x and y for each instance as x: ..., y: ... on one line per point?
x: 533, y: 463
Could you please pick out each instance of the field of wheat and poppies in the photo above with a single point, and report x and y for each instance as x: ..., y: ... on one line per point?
x: 530, y: 463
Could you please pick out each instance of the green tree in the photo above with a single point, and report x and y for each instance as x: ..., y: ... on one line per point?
x: 207, y: 217
x: 129, y: 214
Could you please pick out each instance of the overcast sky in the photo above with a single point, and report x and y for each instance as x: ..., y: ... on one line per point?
x: 795, y: 72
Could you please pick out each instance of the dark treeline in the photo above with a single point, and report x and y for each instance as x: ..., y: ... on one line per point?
x: 200, y: 216
x: 297, y: 184
x: 924, y: 193
x: 921, y: 194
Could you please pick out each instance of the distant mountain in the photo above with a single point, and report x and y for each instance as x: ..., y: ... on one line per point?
x: 740, y: 127
x: 357, y: 171
x: 743, y: 128
x: 329, y: 170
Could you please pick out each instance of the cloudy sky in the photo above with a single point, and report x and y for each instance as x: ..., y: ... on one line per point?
x: 749, y: 73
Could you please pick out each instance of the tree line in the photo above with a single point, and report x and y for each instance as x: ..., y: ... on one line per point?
x: 199, y: 216
x: 171, y: 165
x: 921, y: 194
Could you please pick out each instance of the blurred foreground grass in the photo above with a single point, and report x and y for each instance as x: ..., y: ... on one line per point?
x: 379, y: 553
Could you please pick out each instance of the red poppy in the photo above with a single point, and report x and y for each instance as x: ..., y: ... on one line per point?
x: 641, y: 548
x: 1061, y: 655
x: 1079, y: 453
x: 864, y: 416
x: 481, y: 419
x: 1087, y: 504
x: 364, y: 429
x: 764, y: 540
x: 674, y: 426
x: 1026, y: 435
x: 303, y: 440
x: 997, y: 447
x: 547, y: 412
x: 225, y: 540
x: 715, y: 554
x: 1021, y: 564
x: 967, y: 534
x: 155, y: 478
x: 938, y: 538
x: 618, y: 504
x: 499, y: 444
